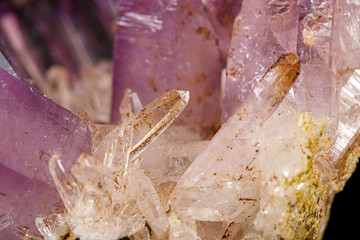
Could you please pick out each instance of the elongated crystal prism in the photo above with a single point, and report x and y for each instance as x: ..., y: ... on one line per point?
x: 222, y: 182
x: 33, y: 128
x: 262, y: 32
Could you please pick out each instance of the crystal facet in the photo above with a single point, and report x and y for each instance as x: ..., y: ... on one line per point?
x: 33, y: 128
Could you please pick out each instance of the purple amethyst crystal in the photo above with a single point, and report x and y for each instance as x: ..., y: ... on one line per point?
x: 33, y: 128
x: 165, y: 45
x: 261, y: 33
x: 21, y: 201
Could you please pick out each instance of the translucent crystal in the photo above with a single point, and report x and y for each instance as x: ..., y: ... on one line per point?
x: 349, y: 125
x: 152, y: 120
x: 168, y: 161
x: 33, y: 128
x: 64, y: 182
x: 318, y: 91
x: 262, y: 32
x: 345, y: 44
x: 142, y: 190
x: 315, y: 29
x: 182, y: 228
x: 52, y: 228
x: 21, y: 201
x: 130, y: 104
x: 288, y: 175
x: 109, y: 196
x: 216, y: 182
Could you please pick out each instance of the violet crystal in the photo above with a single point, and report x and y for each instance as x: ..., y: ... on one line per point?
x: 33, y: 128
x: 166, y: 45
x: 41, y: 129
x: 268, y: 133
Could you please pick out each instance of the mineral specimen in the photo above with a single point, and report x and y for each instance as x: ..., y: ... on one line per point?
x: 267, y: 139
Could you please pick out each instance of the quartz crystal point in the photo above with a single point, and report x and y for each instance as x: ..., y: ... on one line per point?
x: 109, y: 196
x: 164, y: 45
x: 155, y: 118
x: 33, y: 128
x: 261, y: 33
x: 317, y: 91
x: 222, y: 182
x: 302, y: 26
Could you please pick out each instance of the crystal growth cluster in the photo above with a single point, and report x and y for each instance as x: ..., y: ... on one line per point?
x: 250, y: 125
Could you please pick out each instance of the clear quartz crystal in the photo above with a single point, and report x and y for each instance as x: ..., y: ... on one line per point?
x: 53, y: 227
x: 287, y: 173
x: 142, y: 190
x: 262, y: 32
x: 218, y: 186
x: 108, y: 195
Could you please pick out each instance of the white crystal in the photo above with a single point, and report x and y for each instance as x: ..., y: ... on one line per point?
x: 222, y: 182
x: 349, y: 124
x: 108, y: 195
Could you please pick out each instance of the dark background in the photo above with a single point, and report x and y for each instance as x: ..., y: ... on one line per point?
x: 345, y: 212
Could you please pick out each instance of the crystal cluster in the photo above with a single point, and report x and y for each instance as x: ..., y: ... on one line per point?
x: 108, y: 195
x: 250, y: 126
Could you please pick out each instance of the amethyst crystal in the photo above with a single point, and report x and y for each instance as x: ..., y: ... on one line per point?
x: 270, y: 172
x: 33, y: 128
x: 261, y: 33
x: 21, y: 200
x: 166, y: 45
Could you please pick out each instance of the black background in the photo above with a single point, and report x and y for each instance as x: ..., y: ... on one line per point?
x: 345, y: 212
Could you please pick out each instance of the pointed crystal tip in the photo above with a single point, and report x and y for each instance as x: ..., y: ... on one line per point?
x: 184, y: 95
x: 279, y: 79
